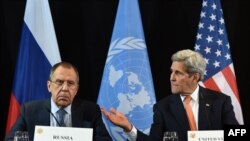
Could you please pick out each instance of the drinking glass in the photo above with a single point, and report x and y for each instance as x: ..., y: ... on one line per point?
x: 170, y: 136
x: 21, y: 136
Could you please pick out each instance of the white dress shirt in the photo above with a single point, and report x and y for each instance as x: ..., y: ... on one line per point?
x: 67, y: 118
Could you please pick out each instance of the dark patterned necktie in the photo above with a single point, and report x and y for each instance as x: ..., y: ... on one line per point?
x: 61, y: 113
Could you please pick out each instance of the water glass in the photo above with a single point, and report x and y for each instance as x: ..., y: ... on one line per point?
x: 21, y: 136
x: 170, y: 136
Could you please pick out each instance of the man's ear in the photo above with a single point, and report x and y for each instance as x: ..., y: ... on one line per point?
x: 197, y: 77
x: 48, y: 85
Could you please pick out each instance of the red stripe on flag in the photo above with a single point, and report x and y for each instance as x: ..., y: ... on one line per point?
x: 14, y: 111
x: 210, y: 83
x: 229, y: 76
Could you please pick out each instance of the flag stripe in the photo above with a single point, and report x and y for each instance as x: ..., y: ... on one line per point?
x: 46, y: 39
x: 223, y: 85
x: 14, y: 109
x: 229, y: 76
x: 232, y: 69
x: 210, y: 83
x: 32, y: 66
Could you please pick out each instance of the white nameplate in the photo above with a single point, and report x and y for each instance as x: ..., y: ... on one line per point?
x: 206, y: 135
x: 49, y: 133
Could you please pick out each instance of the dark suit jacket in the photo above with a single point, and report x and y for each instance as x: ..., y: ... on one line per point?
x: 215, y: 111
x: 84, y: 114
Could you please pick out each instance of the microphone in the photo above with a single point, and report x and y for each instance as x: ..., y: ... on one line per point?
x: 207, y: 106
x: 54, y: 117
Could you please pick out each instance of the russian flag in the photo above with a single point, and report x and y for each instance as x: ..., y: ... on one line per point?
x: 38, y: 52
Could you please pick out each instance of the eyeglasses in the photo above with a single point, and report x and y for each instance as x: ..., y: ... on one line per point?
x: 60, y: 83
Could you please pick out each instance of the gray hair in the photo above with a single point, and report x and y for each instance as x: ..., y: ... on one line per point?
x: 193, y: 61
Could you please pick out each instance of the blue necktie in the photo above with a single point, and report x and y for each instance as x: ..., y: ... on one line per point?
x: 61, y: 113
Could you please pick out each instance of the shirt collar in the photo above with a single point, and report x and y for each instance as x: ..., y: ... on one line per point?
x: 55, y: 108
x: 194, y: 95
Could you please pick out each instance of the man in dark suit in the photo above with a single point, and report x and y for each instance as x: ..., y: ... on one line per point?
x: 63, y: 85
x: 211, y: 110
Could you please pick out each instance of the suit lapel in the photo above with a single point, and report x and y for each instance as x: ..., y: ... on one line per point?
x: 179, y: 112
x: 79, y: 117
x: 44, y: 115
x: 204, y: 110
x: 76, y: 114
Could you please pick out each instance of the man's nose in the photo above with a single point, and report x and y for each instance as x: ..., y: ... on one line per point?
x: 65, y: 85
x: 172, y: 77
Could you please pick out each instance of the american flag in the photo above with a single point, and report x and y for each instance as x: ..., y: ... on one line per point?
x: 212, y: 43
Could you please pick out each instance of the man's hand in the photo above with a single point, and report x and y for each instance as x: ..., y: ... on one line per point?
x: 118, y: 119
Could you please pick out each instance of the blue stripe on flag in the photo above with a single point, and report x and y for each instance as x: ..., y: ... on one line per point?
x: 32, y: 70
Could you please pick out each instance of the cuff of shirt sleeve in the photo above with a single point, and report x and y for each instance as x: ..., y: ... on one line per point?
x: 132, y: 135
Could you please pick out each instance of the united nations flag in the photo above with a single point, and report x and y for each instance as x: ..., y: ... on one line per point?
x: 127, y: 80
